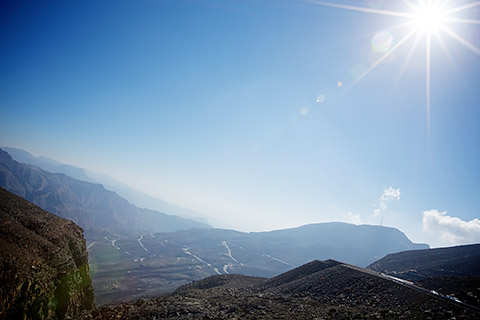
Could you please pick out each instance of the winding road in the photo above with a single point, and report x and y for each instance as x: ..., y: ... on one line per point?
x: 91, y: 245
x: 113, y: 242
x: 229, y: 252
x: 278, y: 260
x: 140, y: 242
x: 186, y: 251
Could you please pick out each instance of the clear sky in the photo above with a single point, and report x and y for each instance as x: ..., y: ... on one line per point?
x: 261, y: 114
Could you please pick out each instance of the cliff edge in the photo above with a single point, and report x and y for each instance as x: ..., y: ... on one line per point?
x: 44, y: 272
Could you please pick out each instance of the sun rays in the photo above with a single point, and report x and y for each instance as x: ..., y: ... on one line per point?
x: 429, y: 16
x: 427, y: 19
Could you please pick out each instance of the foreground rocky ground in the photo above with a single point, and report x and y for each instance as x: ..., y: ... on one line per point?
x: 44, y: 271
x: 318, y: 290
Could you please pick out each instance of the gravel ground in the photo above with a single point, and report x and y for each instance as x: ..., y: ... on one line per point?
x: 337, y: 292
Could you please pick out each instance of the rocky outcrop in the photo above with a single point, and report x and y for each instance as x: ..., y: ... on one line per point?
x: 44, y: 272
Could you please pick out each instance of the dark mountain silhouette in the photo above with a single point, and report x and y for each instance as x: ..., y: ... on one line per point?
x: 300, y: 272
x: 87, y: 204
x: 422, y: 264
x: 318, y: 290
x: 44, y: 272
x: 133, y: 196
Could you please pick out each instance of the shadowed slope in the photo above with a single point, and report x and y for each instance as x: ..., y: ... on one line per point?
x: 44, y: 272
x: 422, y: 264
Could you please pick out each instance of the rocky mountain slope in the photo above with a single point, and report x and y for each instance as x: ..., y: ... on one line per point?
x: 452, y: 271
x: 44, y: 272
x: 150, y: 264
x: 318, y: 290
x: 87, y: 204
x: 422, y: 264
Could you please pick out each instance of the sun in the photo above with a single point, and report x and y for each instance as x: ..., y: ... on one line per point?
x: 429, y: 17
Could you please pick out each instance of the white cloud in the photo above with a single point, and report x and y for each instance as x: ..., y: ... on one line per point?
x: 452, y: 230
x: 390, y: 194
x: 387, y: 196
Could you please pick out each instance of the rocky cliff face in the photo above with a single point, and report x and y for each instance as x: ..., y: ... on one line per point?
x: 44, y: 271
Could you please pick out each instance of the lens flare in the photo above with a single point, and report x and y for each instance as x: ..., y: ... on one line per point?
x: 382, y: 41
x: 320, y: 98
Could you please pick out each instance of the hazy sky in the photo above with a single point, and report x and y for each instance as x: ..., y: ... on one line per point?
x: 259, y: 114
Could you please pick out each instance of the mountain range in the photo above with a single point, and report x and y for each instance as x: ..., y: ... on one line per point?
x: 88, y: 204
x: 44, y: 274
x: 136, y: 252
x: 132, y: 195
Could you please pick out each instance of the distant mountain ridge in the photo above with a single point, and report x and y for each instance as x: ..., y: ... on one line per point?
x: 88, y: 204
x: 135, y: 197
x: 357, y: 244
x: 48, y: 164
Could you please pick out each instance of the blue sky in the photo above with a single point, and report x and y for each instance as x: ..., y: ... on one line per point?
x: 233, y: 108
